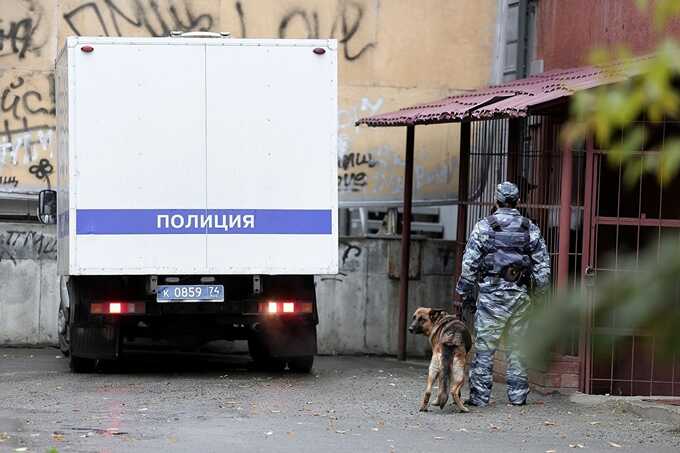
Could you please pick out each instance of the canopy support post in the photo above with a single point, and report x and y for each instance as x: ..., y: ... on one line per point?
x: 406, y: 240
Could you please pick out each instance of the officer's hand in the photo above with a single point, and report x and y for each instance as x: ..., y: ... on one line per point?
x: 470, y: 304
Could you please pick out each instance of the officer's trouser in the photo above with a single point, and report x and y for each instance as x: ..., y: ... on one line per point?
x: 496, y: 316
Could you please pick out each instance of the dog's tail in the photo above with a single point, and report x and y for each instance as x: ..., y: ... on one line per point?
x: 445, y: 376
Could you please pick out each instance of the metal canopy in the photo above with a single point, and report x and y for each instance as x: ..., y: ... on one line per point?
x: 514, y: 99
x: 510, y: 100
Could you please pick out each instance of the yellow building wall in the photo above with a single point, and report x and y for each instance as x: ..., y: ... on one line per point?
x: 392, y: 53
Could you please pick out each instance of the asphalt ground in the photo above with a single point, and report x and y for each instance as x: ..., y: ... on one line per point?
x: 219, y: 403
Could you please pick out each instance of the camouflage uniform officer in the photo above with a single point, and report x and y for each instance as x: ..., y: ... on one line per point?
x: 504, y: 254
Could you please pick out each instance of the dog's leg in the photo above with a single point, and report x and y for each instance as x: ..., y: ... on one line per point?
x: 432, y: 374
x: 458, y: 375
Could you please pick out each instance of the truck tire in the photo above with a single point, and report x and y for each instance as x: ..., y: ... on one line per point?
x: 63, y: 329
x: 263, y: 360
x: 301, y: 364
x: 81, y: 365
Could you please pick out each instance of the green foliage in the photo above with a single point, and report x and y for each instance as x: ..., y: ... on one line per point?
x: 644, y: 296
x: 662, y: 11
x: 620, y: 117
x: 642, y: 91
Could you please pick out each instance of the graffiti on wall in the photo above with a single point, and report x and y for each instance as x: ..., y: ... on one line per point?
x: 32, y: 31
x: 154, y: 18
x: 136, y: 17
x: 21, y: 24
x: 355, y: 168
x: 371, y: 169
x: 29, y: 244
x: 351, y: 261
x: 27, y: 105
x: 352, y: 171
x: 344, y: 27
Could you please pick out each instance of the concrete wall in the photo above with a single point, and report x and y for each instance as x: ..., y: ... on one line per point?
x: 29, y: 288
x: 392, y: 53
x: 359, y: 307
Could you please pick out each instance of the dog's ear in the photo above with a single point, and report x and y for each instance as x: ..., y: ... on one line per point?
x: 435, y: 314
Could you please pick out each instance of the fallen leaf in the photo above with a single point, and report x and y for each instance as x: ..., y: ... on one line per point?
x: 549, y: 423
x: 4, y: 437
x: 614, y: 444
x: 58, y: 437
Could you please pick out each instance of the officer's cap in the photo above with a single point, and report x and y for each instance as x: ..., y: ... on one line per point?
x: 507, y: 192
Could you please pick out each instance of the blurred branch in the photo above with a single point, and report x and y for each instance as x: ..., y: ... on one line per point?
x: 618, y: 114
x: 643, y: 295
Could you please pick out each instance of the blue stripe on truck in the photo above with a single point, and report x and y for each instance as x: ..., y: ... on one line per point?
x: 203, y: 221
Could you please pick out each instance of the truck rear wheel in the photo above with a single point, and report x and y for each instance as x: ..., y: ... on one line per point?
x: 263, y: 360
x: 81, y: 365
x: 301, y: 364
x: 63, y: 329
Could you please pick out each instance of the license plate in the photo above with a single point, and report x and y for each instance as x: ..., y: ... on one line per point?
x: 190, y: 293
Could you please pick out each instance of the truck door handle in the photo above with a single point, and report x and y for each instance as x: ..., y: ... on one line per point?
x: 200, y: 34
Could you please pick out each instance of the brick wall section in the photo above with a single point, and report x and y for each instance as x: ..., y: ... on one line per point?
x: 563, y: 376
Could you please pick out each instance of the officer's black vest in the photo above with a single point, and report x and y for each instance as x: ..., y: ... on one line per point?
x: 507, y: 250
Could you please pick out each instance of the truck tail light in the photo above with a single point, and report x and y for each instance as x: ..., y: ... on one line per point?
x: 273, y: 307
x: 118, y: 308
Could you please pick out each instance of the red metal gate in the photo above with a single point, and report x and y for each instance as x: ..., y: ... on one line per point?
x: 527, y: 152
x: 621, y: 220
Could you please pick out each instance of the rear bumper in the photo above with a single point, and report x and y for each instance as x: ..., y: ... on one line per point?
x: 110, y: 337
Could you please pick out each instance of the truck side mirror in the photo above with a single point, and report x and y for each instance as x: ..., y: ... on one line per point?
x: 47, y: 207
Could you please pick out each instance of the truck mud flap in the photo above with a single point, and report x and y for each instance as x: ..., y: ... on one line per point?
x: 95, y: 342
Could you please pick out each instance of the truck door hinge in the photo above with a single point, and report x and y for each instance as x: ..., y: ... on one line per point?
x: 152, y: 284
x: 257, y: 284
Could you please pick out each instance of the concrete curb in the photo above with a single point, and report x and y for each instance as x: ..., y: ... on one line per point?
x: 638, y: 405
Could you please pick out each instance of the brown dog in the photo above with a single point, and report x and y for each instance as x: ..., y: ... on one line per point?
x: 450, y: 341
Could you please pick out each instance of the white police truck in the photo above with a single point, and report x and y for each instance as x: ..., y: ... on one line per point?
x: 196, y: 195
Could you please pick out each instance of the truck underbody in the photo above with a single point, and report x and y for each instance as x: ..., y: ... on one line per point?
x: 90, y: 331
